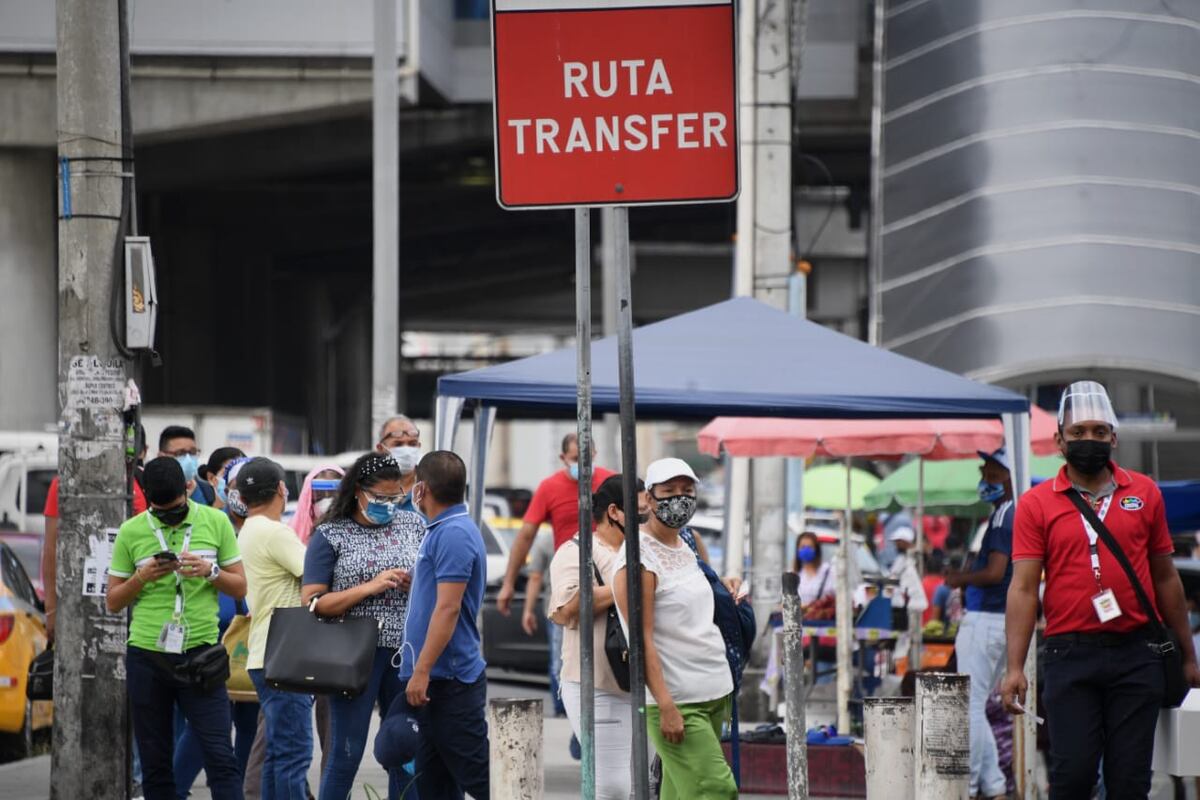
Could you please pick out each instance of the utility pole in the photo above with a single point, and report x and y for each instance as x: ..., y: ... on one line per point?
x: 90, y: 757
x: 767, y: 229
x: 385, y: 219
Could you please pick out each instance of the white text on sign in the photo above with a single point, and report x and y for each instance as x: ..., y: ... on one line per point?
x: 635, y: 132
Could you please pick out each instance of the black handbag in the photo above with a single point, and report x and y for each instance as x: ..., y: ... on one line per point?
x: 40, y: 685
x: 616, y: 648
x: 1166, y: 644
x: 311, y: 655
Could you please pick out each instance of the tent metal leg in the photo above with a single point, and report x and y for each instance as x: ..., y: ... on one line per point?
x: 448, y: 411
x: 916, y: 633
x: 1016, y: 440
x: 845, y: 628
x: 485, y: 418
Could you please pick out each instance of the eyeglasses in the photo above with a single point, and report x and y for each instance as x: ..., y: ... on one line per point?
x: 395, y: 499
x: 181, y: 452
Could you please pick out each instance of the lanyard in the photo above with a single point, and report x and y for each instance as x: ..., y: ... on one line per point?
x: 162, y: 541
x: 1092, y: 537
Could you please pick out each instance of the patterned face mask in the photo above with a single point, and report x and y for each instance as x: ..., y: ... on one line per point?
x: 674, y: 512
x: 233, y: 499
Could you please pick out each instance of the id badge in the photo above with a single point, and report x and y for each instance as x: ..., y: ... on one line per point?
x: 171, y: 638
x: 1106, y: 606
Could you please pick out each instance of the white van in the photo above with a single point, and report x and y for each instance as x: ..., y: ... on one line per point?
x: 24, y: 481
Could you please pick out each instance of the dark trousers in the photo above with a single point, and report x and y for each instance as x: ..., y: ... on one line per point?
x: 1101, y: 700
x: 153, y: 695
x: 452, y: 757
x: 189, y: 759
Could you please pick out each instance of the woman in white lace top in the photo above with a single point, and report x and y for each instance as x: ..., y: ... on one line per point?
x: 687, y: 674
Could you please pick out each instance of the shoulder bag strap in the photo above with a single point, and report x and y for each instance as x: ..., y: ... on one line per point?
x: 1102, y: 531
x: 826, y: 568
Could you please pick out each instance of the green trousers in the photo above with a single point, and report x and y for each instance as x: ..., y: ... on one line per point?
x: 695, y: 769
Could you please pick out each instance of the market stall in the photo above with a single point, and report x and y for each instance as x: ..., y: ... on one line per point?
x: 739, y: 357
x: 935, y: 439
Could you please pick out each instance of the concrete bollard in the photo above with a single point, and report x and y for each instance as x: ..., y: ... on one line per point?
x: 943, y: 736
x: 888, y: 727
x: 515, y: 734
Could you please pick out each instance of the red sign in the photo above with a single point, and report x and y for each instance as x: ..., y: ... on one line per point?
x: 614, y: 102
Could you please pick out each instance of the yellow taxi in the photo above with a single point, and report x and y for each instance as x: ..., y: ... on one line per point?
x: 22, y: 638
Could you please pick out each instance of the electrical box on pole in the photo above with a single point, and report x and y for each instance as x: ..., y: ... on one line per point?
x: 141, y: 295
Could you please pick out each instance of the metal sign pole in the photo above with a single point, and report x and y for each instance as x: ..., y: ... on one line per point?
x: 583, y: 418
x: 633, y: 558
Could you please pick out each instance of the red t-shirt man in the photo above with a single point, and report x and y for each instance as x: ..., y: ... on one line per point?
x: 1049, y: 528
x: 51, y: 510
x: 557, y: 499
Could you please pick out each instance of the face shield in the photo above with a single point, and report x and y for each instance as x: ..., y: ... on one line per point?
x: 1085, y: 401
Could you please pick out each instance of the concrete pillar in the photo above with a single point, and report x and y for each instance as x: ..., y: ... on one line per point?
x: 943, y: 737
x: 515, y: 735
x: 888, y: 730
x: 28, y: 289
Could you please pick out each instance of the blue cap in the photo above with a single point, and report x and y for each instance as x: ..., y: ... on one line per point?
x: 398, y: 737
x: 999, y: 455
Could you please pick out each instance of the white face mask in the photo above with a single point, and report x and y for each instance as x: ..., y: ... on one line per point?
x: 407, y: 458
x: 321, y: 507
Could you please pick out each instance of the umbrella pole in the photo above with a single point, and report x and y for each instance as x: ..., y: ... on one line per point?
x: 844, y: 610
x: 917, y: 634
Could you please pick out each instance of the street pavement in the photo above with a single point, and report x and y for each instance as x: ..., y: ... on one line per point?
x: 30, y: 779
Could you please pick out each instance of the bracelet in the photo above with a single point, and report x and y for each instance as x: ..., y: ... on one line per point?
x: 137, y: 573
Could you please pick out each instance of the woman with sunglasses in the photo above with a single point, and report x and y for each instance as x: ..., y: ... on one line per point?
x: 359, y: 563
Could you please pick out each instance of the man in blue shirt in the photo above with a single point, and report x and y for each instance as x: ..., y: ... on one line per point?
x: 980, y: 644
x: 442, y: 663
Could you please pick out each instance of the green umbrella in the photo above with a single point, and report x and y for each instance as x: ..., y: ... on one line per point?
x: 825, y: 487
x: 950, y: 486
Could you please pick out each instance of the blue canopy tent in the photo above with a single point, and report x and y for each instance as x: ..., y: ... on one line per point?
x: 739, y: 357
x: 1182, y: 499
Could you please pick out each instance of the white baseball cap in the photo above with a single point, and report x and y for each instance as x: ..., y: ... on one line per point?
x: 903, y: 533
x: 665, y: 469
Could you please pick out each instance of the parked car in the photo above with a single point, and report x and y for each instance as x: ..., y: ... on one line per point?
x: 28, y: 549
x: 25, y: 478
x: 506, y: 646
x: 22, y: 638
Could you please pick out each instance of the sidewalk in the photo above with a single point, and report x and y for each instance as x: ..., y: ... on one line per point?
x: 30, y: 779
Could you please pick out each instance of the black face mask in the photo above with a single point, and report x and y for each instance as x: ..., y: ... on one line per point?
x: 613, y: 521
x: 1089, y: 456
x: 171, y: 517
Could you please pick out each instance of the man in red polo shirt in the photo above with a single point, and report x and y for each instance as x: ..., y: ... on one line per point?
x: 1103, y: 683
x: 556, y: 499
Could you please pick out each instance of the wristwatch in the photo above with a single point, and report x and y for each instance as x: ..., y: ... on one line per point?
x: 214, y: 574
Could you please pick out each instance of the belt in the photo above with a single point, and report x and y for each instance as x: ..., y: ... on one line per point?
x: 1142, y: 634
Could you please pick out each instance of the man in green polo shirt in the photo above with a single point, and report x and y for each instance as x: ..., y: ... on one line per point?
x: 169, y: 563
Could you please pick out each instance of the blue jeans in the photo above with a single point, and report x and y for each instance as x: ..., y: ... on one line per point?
x: 351, y: 721
x: 554, y: 632
x: 981, y: 646
x: 288, y: 717
x: 153, y: 693
x: 189, y: 758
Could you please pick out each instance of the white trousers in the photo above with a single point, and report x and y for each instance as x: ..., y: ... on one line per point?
x: 614, y: 739
x: 981, y: 648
